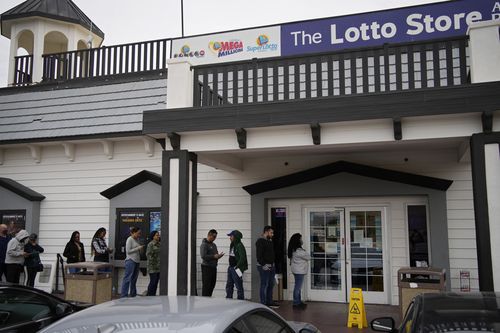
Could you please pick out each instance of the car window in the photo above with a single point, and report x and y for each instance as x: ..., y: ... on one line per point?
x: 267, y: 322
x: 408, y: 319
x: 239, y: 327
x: 20, y: 306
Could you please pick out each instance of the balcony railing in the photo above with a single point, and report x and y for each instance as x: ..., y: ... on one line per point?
x: 105, y: 61
x: 388, y: 68
x: 23, y: 70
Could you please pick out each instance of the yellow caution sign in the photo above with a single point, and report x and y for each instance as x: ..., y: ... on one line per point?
x: 357, y: 314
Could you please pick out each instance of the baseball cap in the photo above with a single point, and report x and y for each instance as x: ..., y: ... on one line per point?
x: 232, y: 233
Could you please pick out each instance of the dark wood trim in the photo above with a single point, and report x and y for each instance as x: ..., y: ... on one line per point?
x: 482, y: 220
x: 175, y: 140
x: 165, y: 205
x: 424, y: 102
x: 343, y: 166
x: 241, y: 136
x: 162, y: 142
x: 316, y: 133
x: 183, y: 224
x: 398, y: 131
x: 131, y: 182
x: 487, y: 121
x: 20, y: 189
x: 193, y: 158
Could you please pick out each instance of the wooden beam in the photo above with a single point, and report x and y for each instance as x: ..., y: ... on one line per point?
x: 108, y: 147
x: 36, y: 152
x: 398, y: 132
x: 175, y: 140
x: 241, y: 136
x: 316, y: 133
x: 69, y: 150
x: 149, y: 145
x: 487, y: 121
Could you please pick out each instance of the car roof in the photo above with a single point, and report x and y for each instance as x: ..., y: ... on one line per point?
x: 459, y: 311
x: 184, y: 314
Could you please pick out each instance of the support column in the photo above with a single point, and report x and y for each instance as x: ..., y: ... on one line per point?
x: 485, y: 181
x: 484, y: 51
x: 178, y: 230
x: 492, y: 168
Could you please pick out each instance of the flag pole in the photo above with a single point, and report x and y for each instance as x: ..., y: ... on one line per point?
x: 182, y: 17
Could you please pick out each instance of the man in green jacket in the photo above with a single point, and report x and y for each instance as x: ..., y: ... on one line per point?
x: 237, y: 265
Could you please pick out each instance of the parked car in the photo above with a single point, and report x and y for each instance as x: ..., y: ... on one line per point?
x: 180, y: 314
x: 25, y: 310
x: 446, y: 312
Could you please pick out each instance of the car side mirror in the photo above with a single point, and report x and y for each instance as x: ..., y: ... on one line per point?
x: 383, y: 324
x: 62, y: 309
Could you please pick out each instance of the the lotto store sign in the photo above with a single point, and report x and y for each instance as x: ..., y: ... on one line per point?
x: 432, y: 21
x: 401, y: 25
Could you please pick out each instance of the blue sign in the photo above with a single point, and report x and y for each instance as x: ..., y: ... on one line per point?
x: 432, y: 21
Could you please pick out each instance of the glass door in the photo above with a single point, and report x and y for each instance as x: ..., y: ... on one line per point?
x: 326, y: 246
x: 365, y: 253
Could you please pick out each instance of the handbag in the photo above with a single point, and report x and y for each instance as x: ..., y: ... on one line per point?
x: 39, y: 267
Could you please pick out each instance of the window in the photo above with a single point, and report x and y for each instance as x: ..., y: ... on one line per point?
x: 19, y: 306
x: 417, y: 236
x: 278, y: 222
x: 267, y: 322
x: 148, y: 219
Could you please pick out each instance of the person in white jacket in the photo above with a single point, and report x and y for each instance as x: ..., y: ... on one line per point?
x: 299, y: 266
x: 14, y: 259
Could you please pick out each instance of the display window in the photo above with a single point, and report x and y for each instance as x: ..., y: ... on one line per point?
x: 147, y: 219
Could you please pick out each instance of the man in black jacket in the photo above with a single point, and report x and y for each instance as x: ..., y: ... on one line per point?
x: 210, y: 255
x: 265, y: 266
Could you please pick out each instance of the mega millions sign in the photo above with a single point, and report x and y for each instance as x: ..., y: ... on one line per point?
x: 417, y: 23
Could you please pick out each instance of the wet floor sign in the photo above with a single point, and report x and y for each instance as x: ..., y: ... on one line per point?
x: 357, y: 314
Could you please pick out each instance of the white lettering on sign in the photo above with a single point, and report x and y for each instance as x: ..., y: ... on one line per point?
x: 364, y: 31
x: 303, y: 38
x: 418, y: 24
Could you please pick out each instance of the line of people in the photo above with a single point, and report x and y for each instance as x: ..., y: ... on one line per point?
x: 17, y: 252
x: 23, y: 250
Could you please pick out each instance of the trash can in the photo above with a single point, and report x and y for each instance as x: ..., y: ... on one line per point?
x: 413, y: 281
x: 92, y: 283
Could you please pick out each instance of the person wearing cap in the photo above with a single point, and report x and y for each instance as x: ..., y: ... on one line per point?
x: 237, y: 265
x: 32, y: 261
x: 15, y: 256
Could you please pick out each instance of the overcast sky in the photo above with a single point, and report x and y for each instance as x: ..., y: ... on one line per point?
x: 125, y: 21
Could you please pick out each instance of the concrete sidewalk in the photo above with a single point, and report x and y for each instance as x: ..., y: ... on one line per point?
x: 332, y: 317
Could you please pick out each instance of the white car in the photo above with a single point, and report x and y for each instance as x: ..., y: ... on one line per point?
x: 181, y: 314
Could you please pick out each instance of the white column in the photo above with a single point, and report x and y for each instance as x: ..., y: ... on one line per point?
x: 12, y: 54
x: 173, y: 227
x: 484, y: 47
x: 492, y: 167
x: 179, y: 84
x: 39, y: 39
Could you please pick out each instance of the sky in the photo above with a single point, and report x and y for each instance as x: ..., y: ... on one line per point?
x: 126, y: 21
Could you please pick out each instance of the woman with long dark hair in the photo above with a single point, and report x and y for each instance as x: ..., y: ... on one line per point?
x: 298, y: 262
x: 74, y: 251
x: 99, y: 248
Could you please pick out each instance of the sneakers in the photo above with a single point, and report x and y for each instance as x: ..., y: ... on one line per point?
x: 300, y: 306
x: 274, y: 305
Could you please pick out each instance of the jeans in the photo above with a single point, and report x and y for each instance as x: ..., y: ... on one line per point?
x: 234, y: 280
x: 208, y: 279
x: 74, y: 270
x: 130, y: 278
x: 299, y: 280
x: 153, y: 283
x: 266, y: 285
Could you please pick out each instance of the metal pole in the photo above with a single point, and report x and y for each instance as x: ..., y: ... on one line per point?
x: 182, y: 17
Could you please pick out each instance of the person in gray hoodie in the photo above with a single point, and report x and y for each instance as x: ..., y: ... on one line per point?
x: 210, y: 256
x: 14, y: 259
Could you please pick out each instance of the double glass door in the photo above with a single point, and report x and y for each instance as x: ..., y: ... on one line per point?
x: 347, y: 251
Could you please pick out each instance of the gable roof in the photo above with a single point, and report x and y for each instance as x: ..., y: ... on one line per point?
x: 131, y: 182
x: 343, y: 166
x: 20, y: 190
x: 62, y: 10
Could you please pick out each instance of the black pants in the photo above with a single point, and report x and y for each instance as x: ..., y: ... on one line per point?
x: 31, y: 276
x: 208, y: 279
x: 14, y: 273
